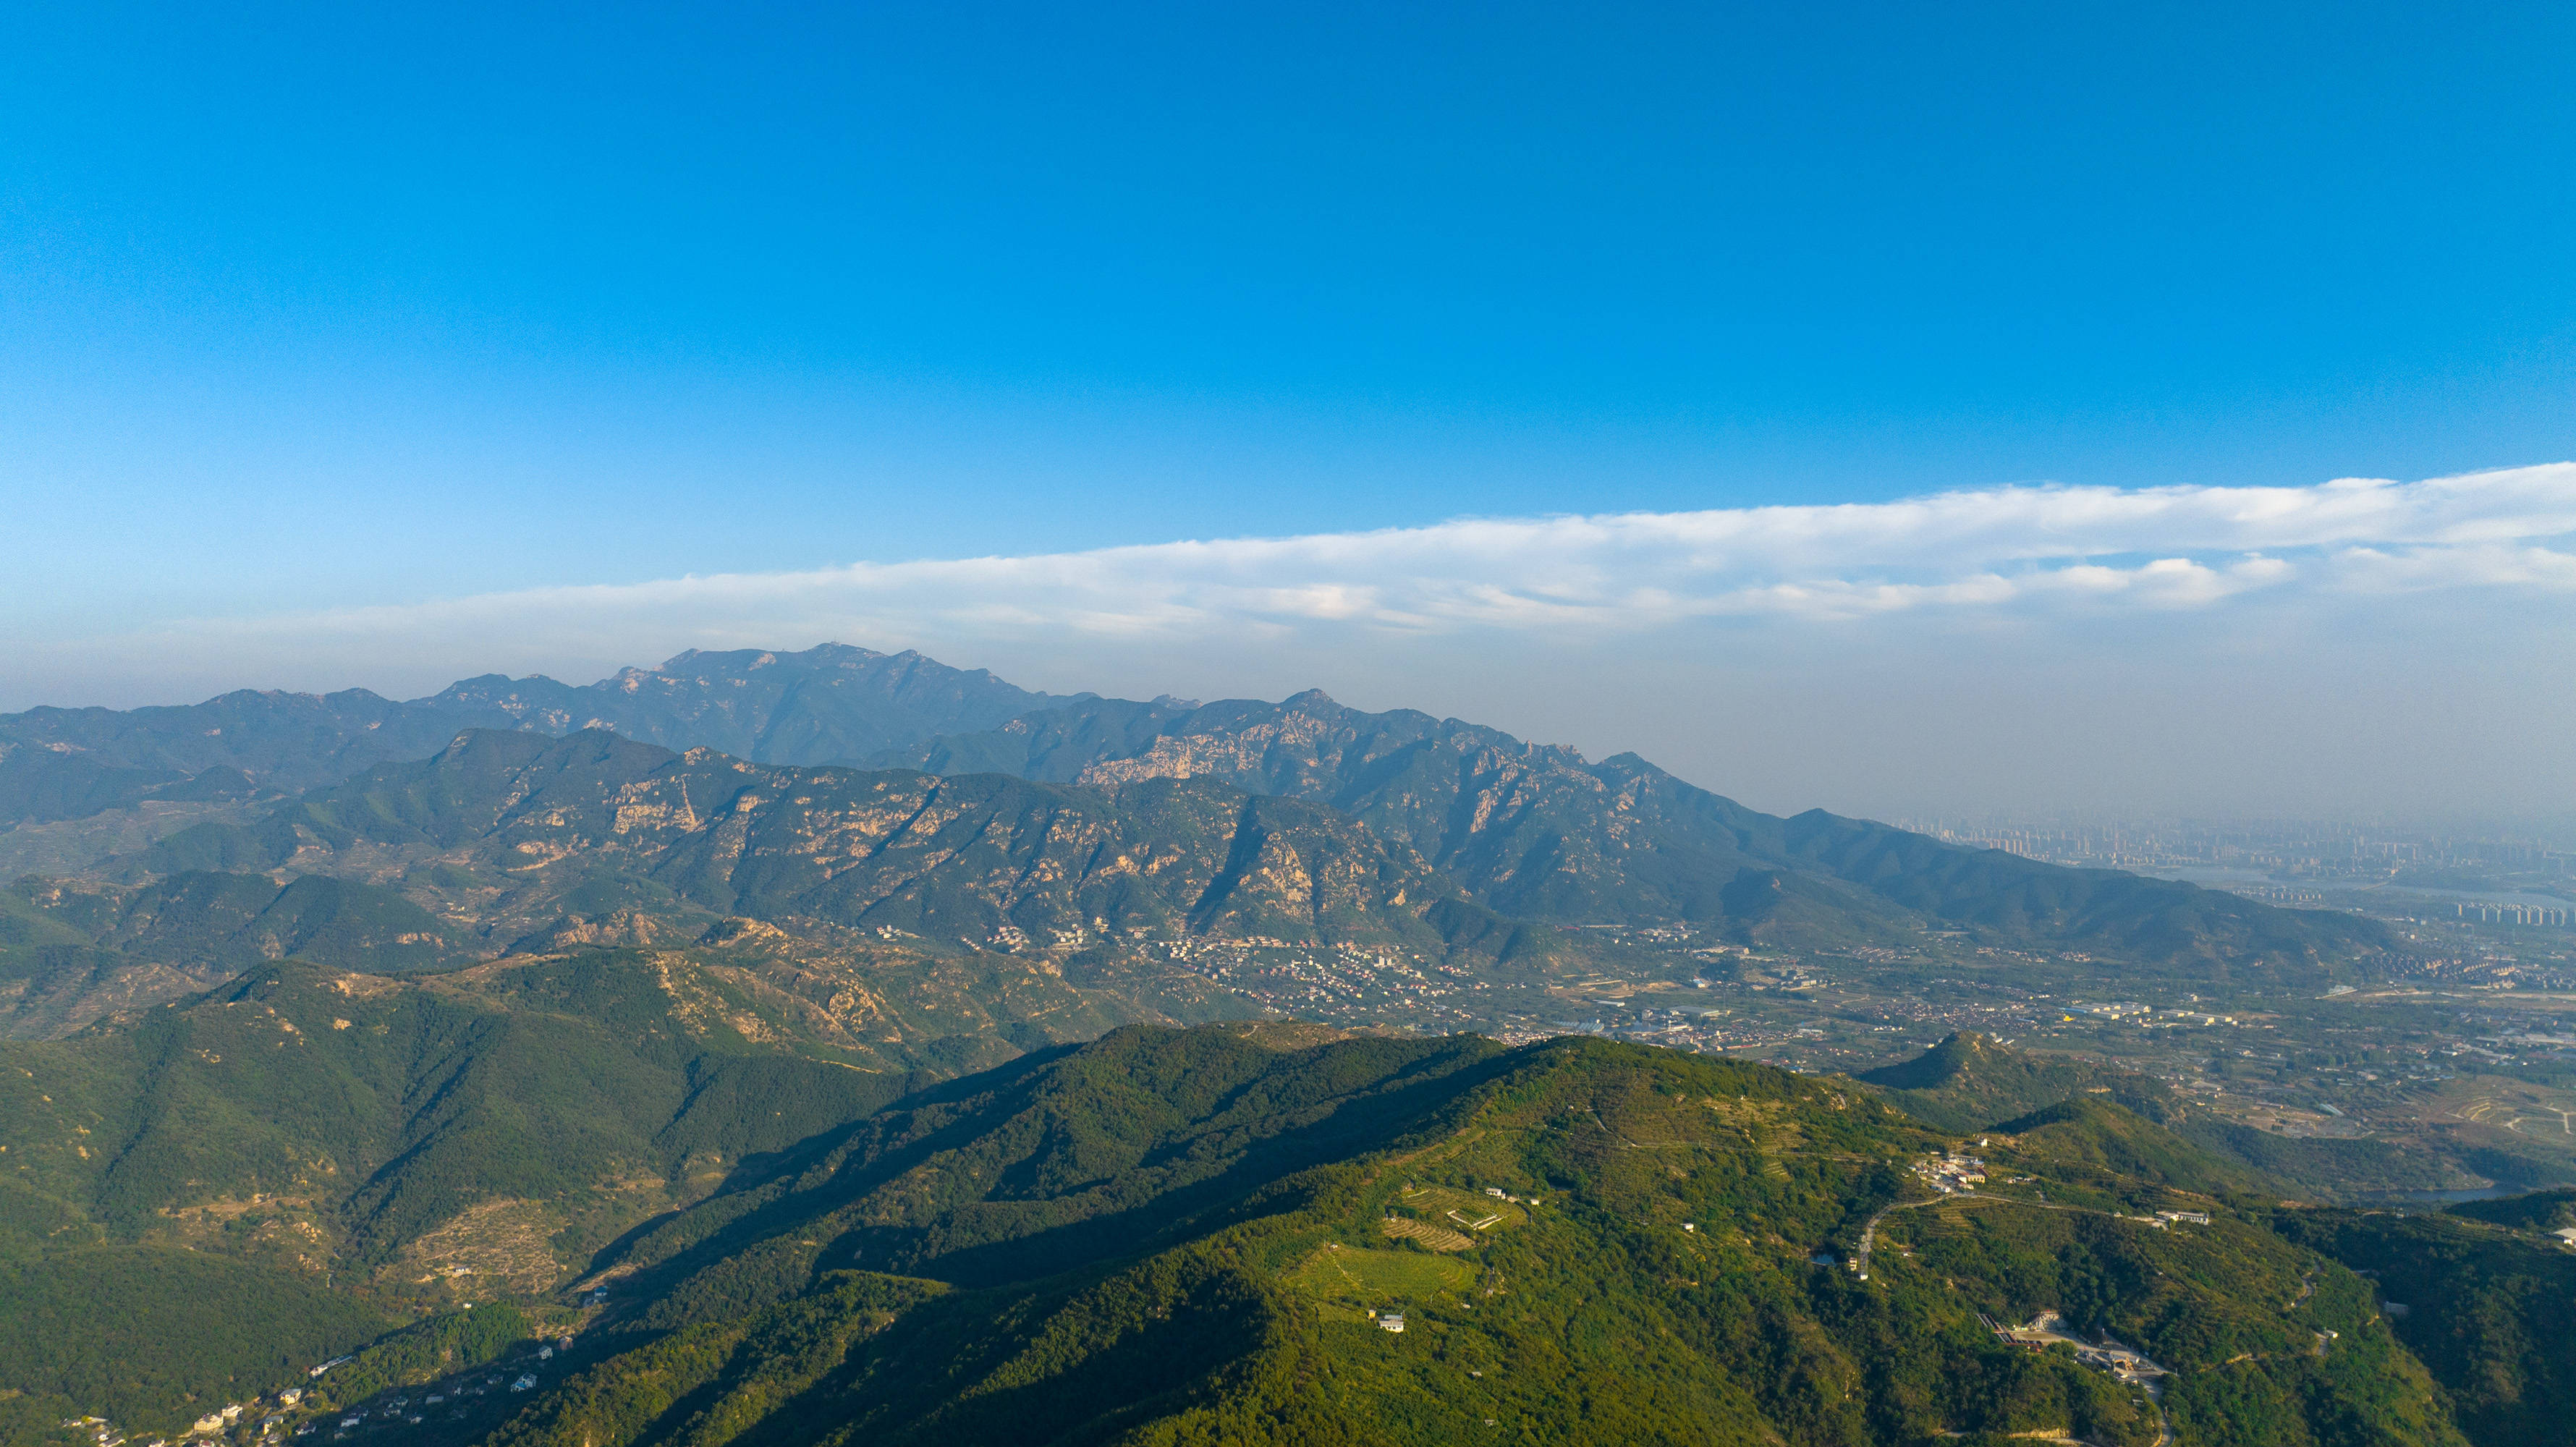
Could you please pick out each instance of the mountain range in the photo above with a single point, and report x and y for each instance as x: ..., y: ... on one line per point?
x: 836, y: 1047
x: 838, y: 795
x: 1534, y: 831
x: 829, y: 704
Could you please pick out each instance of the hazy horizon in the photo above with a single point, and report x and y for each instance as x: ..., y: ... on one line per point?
x: 1897, y: 413
x: 2350, y: 650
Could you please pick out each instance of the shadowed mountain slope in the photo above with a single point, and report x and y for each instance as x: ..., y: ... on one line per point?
x: 2090, y: 1136
x: 1188, y: 1237
x: 2484, y: 1306
x: 64, y: 763
x: 1968, y: 1083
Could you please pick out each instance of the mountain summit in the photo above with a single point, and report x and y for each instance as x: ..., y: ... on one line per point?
x: 828, y: 704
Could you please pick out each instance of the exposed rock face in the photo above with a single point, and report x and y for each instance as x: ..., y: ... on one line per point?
x: 982, y: 859
x: 617, y: 928
x: 1535, y: 831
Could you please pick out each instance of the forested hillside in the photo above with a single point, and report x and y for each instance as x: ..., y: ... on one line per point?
x: 1187, y: 1237
x: 754, y: 1228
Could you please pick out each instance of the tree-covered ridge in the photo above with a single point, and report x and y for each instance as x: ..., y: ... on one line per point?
x: 417, y: 1141
x: 213, y: 919
x: 352, y: 1114
x: 1968, y: 1082
x: 2090, y: 1138
x: 1163, y: 1235
x: 1535, y: 831
x: 1134, y: 1230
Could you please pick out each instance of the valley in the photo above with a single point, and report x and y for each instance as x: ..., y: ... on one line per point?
x: 951, y: 1059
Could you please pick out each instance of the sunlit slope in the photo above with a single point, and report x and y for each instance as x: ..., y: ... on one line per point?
x: 699, y: 836
x: 1533, y: 830
x: 1185, y: 1237
x: 362, y: 1111
x: 1968, y: 1083
x: 268, y: 1173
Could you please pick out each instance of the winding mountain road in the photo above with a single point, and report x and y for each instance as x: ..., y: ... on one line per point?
x: 1869, y: 1239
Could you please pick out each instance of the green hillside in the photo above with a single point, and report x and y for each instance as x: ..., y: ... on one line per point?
x: 1180, y: 1237
x: 2540, y: 1211
x: 424, y: 1140
x: 139, y: 1334
x: 1968, y: 1083
x: 333, y: 1120
x: 1165, y: 1235
x: 2483, y: 1305
x: 2089, y: 1138
x: 226, y: 921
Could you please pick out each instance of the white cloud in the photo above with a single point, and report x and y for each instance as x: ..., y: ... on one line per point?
x: 2354, y: 646
x: 2029, y: 553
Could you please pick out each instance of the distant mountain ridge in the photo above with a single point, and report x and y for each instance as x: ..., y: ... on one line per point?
x: 956, y: 860
x: 1070, y: 824
x: 831, y: 704
x: 828, y: 704
x: 1533, y: 831
x: 2133, y: 1124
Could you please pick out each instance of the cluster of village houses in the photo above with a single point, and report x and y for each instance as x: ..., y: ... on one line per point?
x: 1952, y: 1173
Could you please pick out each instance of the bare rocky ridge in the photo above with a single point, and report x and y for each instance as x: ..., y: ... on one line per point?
x: 1534, y: 831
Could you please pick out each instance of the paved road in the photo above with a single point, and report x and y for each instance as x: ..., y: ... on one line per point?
x: 1869, y: 1233
x: 1869, y: 1239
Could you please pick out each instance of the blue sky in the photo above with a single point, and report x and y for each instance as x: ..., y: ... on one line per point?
x: 329, y: 308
